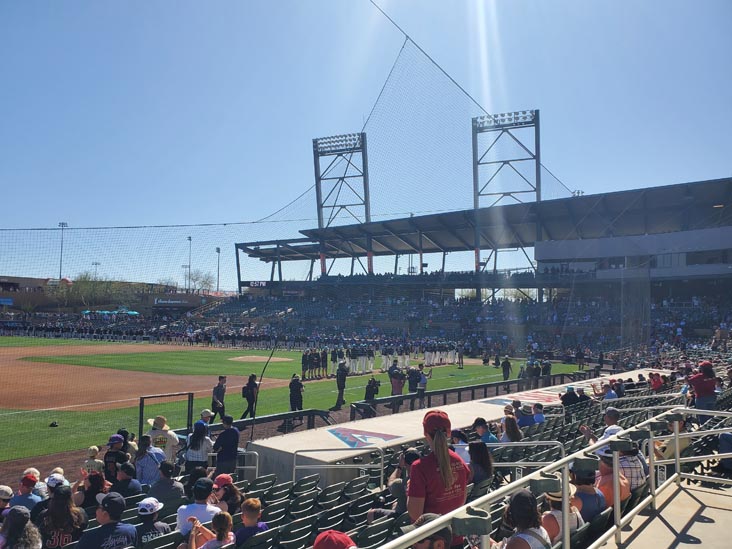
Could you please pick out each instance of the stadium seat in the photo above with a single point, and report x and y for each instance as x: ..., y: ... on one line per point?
x: 356, y: 515
x: 263, y: 483
x: 297, y: 534
x: 305, y: 484
x: 599, y: 524
x: 374, y: 535
x: 355, y: 487
x: 303, y: 505
x: 278, y: 492
x: 332, y: 518
x: 274, y: 514
x: 262, y: 540
x: 330, y: 495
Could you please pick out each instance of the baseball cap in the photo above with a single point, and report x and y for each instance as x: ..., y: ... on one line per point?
x: 113, y: 503
x: 18, y: 515
x: 29, y: 480
x: 570, y: 388
x: 6, y: 492
x: 167, y: 468
x: 206, y: 413
x: 149, y: 506
x: 202, y: 488
x: 115, y: 439
x: 436, y: 420
x: 127, y: 468
x: 55, y: 480
x: 612, y: 412
x: 333, y: 539
x: 522, y: 504
x: 444, y: 533
x: 411, y: 455
x: 62, y: 492
x: 222, y: 480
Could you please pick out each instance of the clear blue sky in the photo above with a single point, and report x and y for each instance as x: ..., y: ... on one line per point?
x: 122, y: 113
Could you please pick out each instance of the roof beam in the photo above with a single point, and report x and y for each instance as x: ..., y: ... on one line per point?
x: 401, y: 238
x: 454, y: 234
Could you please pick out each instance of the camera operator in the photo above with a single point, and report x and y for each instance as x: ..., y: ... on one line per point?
x: 372, y: 388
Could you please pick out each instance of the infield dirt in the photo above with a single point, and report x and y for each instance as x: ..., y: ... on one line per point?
x: 36, y: 385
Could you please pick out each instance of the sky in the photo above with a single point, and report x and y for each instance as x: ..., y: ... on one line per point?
x: 174, y: 113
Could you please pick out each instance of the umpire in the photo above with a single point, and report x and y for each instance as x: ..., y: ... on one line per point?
x: 341, y: 375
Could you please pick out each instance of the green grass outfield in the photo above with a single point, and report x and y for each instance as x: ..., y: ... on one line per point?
x: 198, y: 362
x: 80, y: 429
x: 45, y: 342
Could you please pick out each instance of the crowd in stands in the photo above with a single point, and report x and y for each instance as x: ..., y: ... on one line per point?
x: 135, y: 493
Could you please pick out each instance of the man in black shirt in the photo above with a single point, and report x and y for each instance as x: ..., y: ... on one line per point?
x: 113, y: 457
x: 226, y: 447
x: 341, y: 375
x: 507, y: 370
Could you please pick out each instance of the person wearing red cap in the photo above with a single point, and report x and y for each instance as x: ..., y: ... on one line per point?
x: 226, y: 492
x: 443, y: 492
x: 25, y: 495
x: 333, y: 539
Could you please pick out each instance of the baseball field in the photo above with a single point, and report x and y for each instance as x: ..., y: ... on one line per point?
x: 88, y: 390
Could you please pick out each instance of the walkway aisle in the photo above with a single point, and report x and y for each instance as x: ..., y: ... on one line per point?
x: 689, y: 516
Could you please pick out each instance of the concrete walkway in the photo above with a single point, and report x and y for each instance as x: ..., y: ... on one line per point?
x: 688, y: 516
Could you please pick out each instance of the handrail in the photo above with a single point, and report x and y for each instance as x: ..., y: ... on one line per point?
x: 295, y: 466
x: 434, y: 526
x: 366, y: 407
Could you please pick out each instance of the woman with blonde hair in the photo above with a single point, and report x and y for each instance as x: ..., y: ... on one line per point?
x: 446, y: 491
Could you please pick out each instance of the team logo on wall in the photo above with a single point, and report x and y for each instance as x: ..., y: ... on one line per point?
x: 355, y: 438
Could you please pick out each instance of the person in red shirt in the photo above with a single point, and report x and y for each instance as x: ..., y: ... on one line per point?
x: 438, y: 482
x: 704, y: 384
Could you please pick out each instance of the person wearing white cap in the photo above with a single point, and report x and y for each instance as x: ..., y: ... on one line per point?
x: 150, y: 528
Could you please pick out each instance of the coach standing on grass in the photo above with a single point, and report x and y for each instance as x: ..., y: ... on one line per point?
x: 217, y: 399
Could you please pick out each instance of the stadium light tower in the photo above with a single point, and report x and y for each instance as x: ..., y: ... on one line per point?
x: 95, y: 264
x: 190, y: 243
x: 342, y: 184
x: 62, y: 225
x: 218, y: 267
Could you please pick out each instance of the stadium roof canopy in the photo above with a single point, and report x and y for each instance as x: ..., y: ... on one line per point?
x: 654, y: 210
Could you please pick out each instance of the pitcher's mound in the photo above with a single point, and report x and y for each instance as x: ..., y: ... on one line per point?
x: 255, y: 358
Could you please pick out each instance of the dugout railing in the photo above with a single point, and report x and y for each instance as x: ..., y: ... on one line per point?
x: 439, y: 397
x: 543, y: 479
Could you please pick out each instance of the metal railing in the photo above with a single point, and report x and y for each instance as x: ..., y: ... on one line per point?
x: 617, y: 443
x: 367, y: 408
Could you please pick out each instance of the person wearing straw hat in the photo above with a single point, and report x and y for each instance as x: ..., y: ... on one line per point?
x: 162, y: 437
x: 551, y: 520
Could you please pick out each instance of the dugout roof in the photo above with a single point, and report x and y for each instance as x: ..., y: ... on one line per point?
x: 653, y: 210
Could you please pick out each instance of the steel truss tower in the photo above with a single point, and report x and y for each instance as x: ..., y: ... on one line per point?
x: 489, y: 161
x: 342, y: 184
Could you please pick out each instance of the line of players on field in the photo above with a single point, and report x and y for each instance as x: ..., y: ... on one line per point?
x: 362, y: 358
